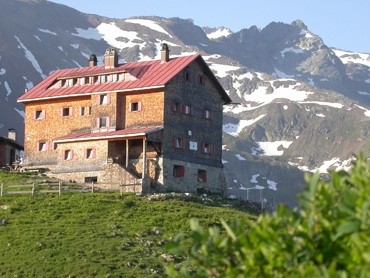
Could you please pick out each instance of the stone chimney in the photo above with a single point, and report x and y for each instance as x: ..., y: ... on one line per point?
x: 12, y: 134
x: 165, y: 53
x: 93, y: 61
x: 110, y: 58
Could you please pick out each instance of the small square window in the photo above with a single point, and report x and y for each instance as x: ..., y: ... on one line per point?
x: 135, y: 106
x: 90, y: 153
x: 95, y: 79
x: 40, y: 114
x: 202, y: 175
x: 103, y: 122
x: 178, y: 171
x: 104, y: 99
x: 176, y: 107
x: 85, y: 111
x: 74, y: 81
x: 206, y: 114
x: 87, y: 80
x: 42, y: 146
x: 187, y: 75
x: 206, y: 148
x: 201, y: 79
x: 178, y: 143
x: 66, y: 111
x: 63, y: 82
x: 67, y: 155
x: 187, y: 109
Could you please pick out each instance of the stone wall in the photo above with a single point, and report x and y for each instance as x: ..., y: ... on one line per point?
x: 190, y: 182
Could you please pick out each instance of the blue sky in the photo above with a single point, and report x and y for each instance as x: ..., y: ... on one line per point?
x: 342, y: 24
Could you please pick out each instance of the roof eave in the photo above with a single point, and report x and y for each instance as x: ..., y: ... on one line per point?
x: 89, y: 94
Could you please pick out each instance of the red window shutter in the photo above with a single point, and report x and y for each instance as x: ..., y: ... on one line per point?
x: 93, y: 153
x: 97, y: 122
x: 71, y: 154
x: 182, y: 171
x: 108, y: 98
x: 108, y: 121
x: 129, y: 107
x: 139, y: 106
x: 85, y: 153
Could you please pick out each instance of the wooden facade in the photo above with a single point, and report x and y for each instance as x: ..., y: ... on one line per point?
x: 164, y: 133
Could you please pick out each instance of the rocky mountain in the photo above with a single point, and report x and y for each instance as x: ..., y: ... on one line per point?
x: 298, y: 104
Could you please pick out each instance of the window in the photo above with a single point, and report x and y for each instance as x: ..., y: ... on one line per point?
x: 103, y: 122
x: 187, y: 75
x: 104, y: 99
x: 135, y: 106
x: 87, y: 80
x: 42, y: 146
x: 85, y: 111
x: 95, y: 79
x: 178, y: 143
x: 187, y: 110
x: 40, y: 114
x: 90, y: 153
x: 66, y: 111
x: 68, y: 155
x: 206, y: 114
x: 178, y: 171
x: 206, y: 148
x: 176, y: 107
x: 202, y: 175
x: 74, y: 81
x: 63, y: 82
x: 201, y: 79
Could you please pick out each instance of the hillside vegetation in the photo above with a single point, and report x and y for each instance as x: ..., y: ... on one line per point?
x: 328, y: 237
x: 96, y: 235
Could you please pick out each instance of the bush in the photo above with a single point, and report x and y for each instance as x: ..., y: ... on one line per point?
x: 328, y: 236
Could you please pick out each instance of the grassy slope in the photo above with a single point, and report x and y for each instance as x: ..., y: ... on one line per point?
x: 94, y: 235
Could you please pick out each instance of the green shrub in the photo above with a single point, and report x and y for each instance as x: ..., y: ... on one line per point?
x: 328, y: 236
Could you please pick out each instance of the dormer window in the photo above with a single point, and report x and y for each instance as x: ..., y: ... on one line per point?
x: 74, y: 81
x: 87, y: 80
x: 63, y: 82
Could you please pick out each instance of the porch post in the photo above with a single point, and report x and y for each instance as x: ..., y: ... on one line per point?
x: 127, y: 153
x: 144, y: 159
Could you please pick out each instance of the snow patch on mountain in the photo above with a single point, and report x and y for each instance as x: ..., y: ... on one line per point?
x: 235, y: 129
x: 260, y: 95
x: 222, y: 70
x: 291, y: 49
x: 323, y: 103
x: 219, y: 33
x: 2, y: 71
x: 111, y: 33
x: 47, y: 31
x: 367, y: 112
x: 30, y: 57
x: 150, y: 24
x: 350, y: 57
x: 275, y: 148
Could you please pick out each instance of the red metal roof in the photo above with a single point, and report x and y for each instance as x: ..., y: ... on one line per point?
x: 123, y: 133
x: 148, y: 74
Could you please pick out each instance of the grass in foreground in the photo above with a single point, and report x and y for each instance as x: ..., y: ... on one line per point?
x: 95, y: 235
